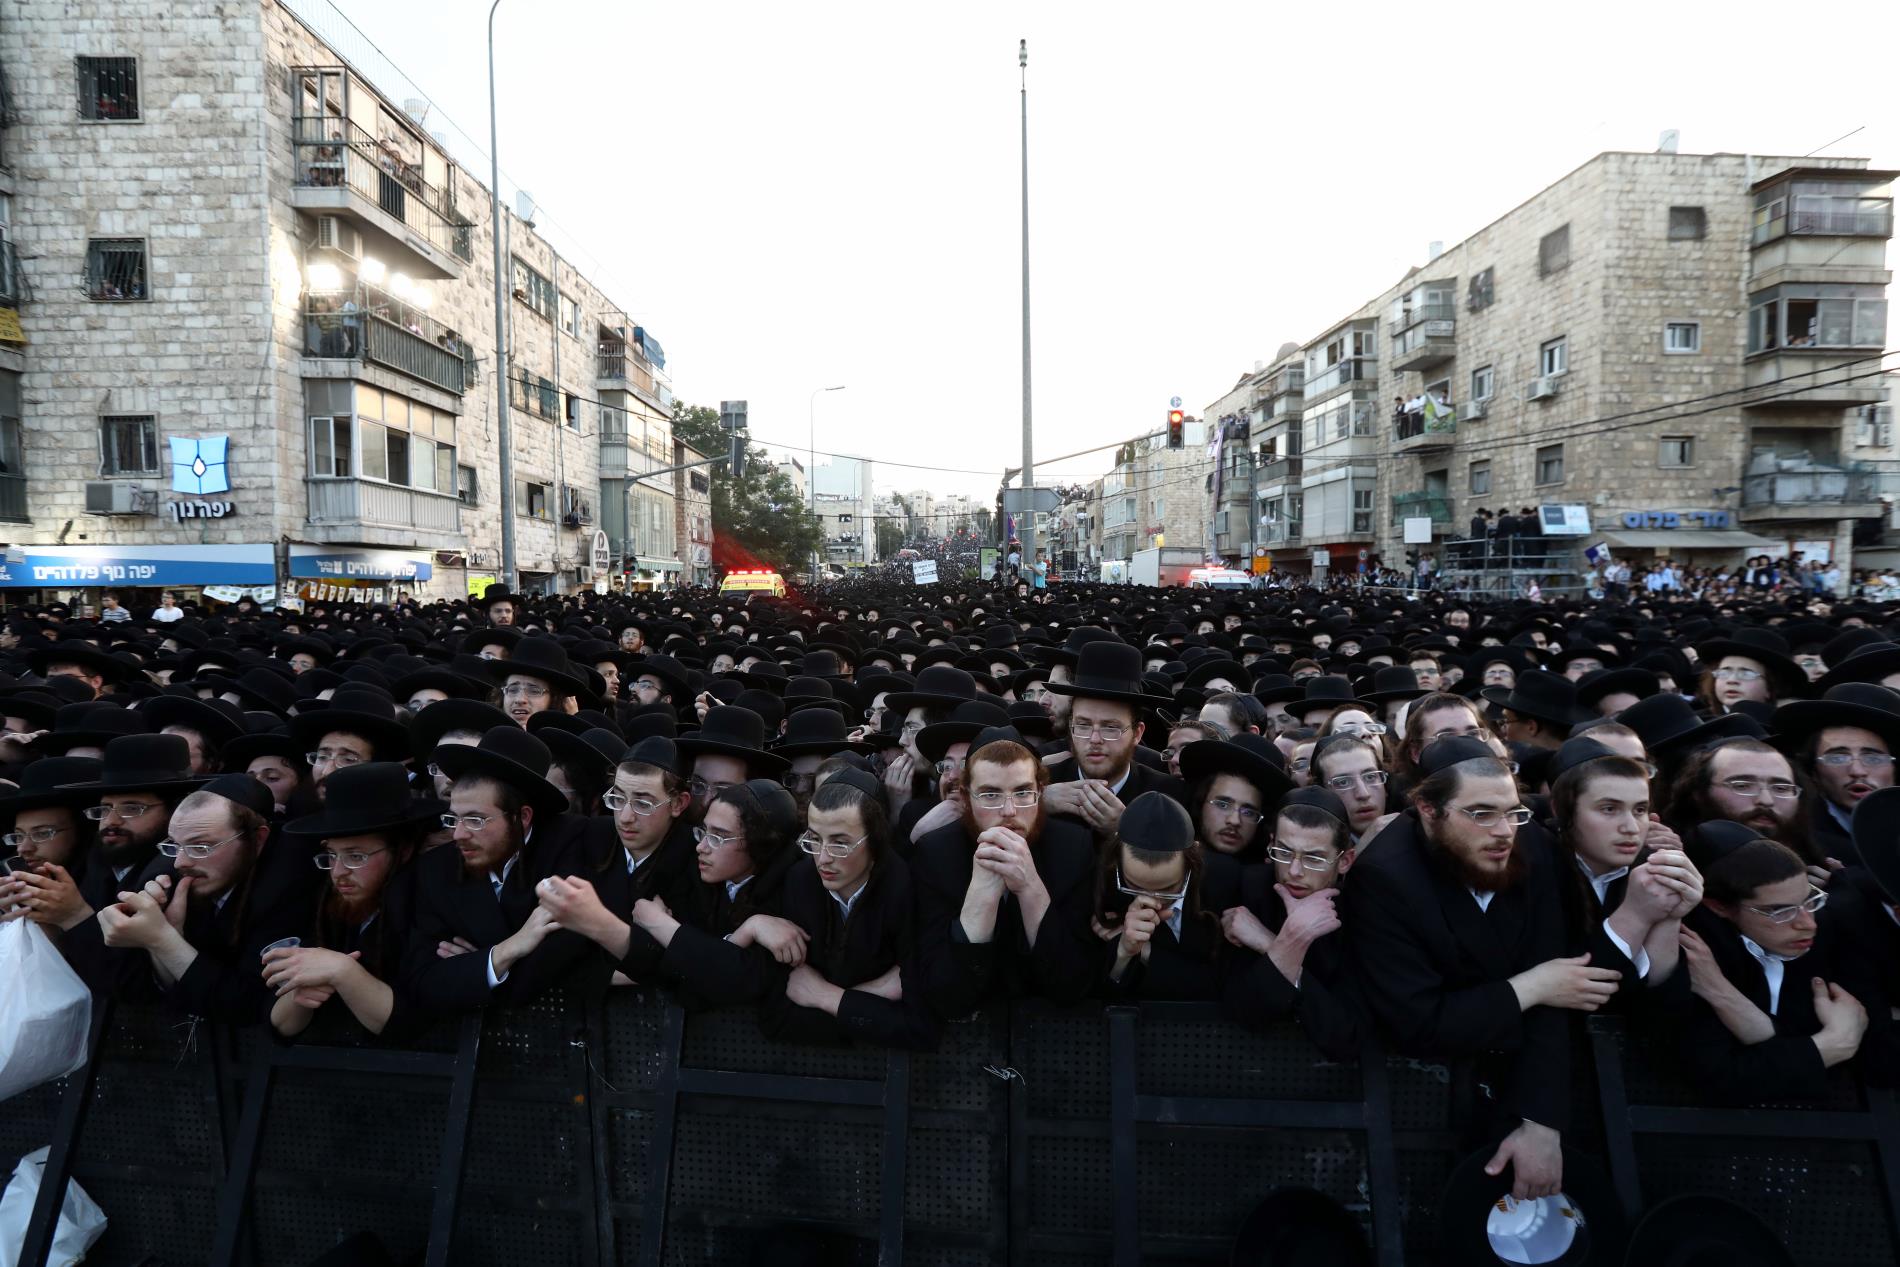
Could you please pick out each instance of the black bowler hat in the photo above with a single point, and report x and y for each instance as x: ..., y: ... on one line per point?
x: 1479, y: 1223
x: 219, y: 721
x: 1667, y: 723
x: 1154, y: 822
x: 144, y: 763
x: 93, y: 724
x: 1542, y: 695
x: 728, y: 731
x: 510, y: 755
x: 965, y: 720
x: 48, y: 782
x: 1696, y: 1230
x: 1250, y: 756
x: 1298, y: 1227
x: 1862, y: 704
x: 1106, y: 670
x: 816, y: 732
x: 542, y: 658
x: 1326, y: 691
x: 938, y: 686
x: 353, y: 710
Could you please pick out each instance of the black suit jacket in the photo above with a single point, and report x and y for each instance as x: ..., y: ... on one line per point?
x: 1785, y: 1067
x: 704, y: 968
x: 1326, y: 1003
x: 1141, y: 779
x: 1831, y: 840
x: 1865, y: 942
x: 956, y: 977
x: 1435, y: 967
x: 849, y: 952
x: 451, y: 903
x: 670, y: 873
x: 108, y: 971
x: 226, y: 981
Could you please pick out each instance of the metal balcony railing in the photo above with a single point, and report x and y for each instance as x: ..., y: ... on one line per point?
x: 381, y: 330
x: 1860, y: 224
x: 11, y: 287
x: 1420, y: 505
x: 1280, y: 469
x: 1411, y: 424
x: 334, y: 152
x: 1805, y: 488
x: 1418, y: 314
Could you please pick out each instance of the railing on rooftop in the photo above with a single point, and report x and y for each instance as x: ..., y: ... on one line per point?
x: 334, y: 152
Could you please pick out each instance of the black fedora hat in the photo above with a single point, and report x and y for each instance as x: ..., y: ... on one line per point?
x: 816, y: 732
x: 1480, y: 1223
x: 1765, y: 646
x: 938, y: 686
x: 353, y: 710
x: 1326, y: 691
x: 84, y: 654
x: 966, y: 720
x: 1298, y: 1227
x: 1876, y: 834
x: 1592, y: 688
x: 729, y: 731
x: 91, y: 725
x: 1394, y: 682
x: 1698, y: 1230
x: 1667, y: 724
x: 1250, y: 756
x: 1106, y: 670
x: 438, y: 719
x: 1872, y: 662
x: 509, y: 755
x: 1222, y: 667
x: 50, y: 781
x: 543, y: 658
x: 1861, y: 704
x: 364, y: 799
x: 674, y: 679
x: 1545, y: 696
x: 144, y: 763
x: 219, y: 721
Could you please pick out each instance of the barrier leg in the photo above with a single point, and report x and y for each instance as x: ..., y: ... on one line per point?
x: 59, y: 1153
x: 1121, y: 1128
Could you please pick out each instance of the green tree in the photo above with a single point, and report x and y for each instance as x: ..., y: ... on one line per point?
x: 759, y: 518
x: 890, y: 538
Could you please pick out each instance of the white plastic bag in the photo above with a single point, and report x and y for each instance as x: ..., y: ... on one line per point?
x: 81, y: 1221
x: 45, y: 1010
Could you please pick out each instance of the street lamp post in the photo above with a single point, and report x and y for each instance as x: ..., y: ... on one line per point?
x: 811, y: 462
x: 503, y: 434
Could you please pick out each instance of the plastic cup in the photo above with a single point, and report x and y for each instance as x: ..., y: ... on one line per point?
x: 282, y: 943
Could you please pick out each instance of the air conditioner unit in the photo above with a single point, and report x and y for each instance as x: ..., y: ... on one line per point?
x: 109, y: 497
x: 336, y: 234
x: 1544, y: 388
x: 1476, y: 409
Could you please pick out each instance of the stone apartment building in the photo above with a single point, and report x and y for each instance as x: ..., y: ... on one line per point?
x: 1677, y: 346
x: 256, y: 325
x: 1154, y: 496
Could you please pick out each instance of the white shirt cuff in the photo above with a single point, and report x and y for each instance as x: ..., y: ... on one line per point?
x: 494, y: 980
x: 1638, y: 957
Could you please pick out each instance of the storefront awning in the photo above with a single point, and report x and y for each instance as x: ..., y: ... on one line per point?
x: 1707, y: 539
x: 48, y: 566
x: 327, y: 563
x: 645, y: 564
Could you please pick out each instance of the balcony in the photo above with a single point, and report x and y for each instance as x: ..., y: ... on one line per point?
x: 343, y: 170
x: 1421, y: 505
x: 1801, y: 378
x: 419, y: 348
x: 1810, y: 493
x: 1281, y: 532
x: 13, y: 499
x: 1335, y: 377
x: 1423, y: 426
x: 1425, y: 337
x: 1279, y: 471
x: 364, y: 510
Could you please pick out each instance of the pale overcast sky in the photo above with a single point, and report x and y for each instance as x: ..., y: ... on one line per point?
x: 792, y: 196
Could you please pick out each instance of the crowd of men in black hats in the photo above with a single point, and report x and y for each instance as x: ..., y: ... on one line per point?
x: 869, y: 812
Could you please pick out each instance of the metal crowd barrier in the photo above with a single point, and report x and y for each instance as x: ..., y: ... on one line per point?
x: 633, y: 1134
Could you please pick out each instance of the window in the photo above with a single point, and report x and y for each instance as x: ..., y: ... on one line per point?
x: 1550, y: 464
x: 1362, y: 499
x: 534, y: 501
x: 1479, y: 295
x: 1682, y: 336
x: 547, y: 398
x: 1553, y: 252
x: 534, y: 290
x: 109, y: 89
x: 467, y: 491
x: 1818, y: 315
x: 572, y: 404
x: 1553, y: 358
x: 128, y: 444
x: 115, y: 268
x: 1675, y: 451
x: 1479, y: 478
x: 404, y: 441
x: 1483, y: 382
x: 330, y: 446
x: 1687, y: 224
x: 570, y: 316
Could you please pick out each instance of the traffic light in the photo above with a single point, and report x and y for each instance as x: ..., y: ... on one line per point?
x: 1176, y: 419
x: 737, y: 460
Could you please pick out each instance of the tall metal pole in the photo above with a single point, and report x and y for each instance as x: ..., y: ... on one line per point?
x: 811, y: 469
x: 1027, y: 528
x: 504, y: 437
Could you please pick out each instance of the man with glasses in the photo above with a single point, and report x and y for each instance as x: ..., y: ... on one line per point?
x: 1348, y: 765
x: 658, y: 679
x: 1159, y: 928
x: 945, y: 745
x: 1003, y: 892
x: 538, y: 676
x: 1456, y: 932
x: 1101, y: 775
x: 1845, y: 743
x: 202, y: 928
x: 727, y: 749
x: 358, y: 725
x: 50, y: 842
x: 1286, y: 965
x: 1748, y: 782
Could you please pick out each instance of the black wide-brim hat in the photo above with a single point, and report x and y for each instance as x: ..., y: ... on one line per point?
x: 1542, y: 695
x: 817, y: 731
x: 1295, y: 1227
x: 39, y: 709
x: 50, y: 781
x: 963, y: 725
x: 439, y: 677
x: 1668, y: 723
x: 1243, y: 755
x: 730, y: 731
x: 1866, y: 664
x: 217, y: 726
x: 1588, y: 1203
x: 144, y: 763
x: 1326, y: 691
x: 938, y: 686
x: 1107, y: 671
x: 1697, y: 1230
x: 352, y: 711
x: 595, y: 747
x: 671, y: 672
x: 1593, y: 687
x: 237, y: 755
x: 542, y: 658
x: 1875, y: 708
x: 1875, y: 828
x: 1764, y: 646
x: 510, y: 755
x: 439, y: 718
x: 83, y: 654
x: 362, y: 800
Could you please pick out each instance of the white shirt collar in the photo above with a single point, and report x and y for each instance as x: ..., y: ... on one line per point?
x: 1117, y: 786
x: 846, y: 903
x: 633, y: 863
x: 1482, y: 898
x: 1600, y: 884
x: 1773, y: 968
x: 1844, y: 817
x: 506, y: 867
x: 733, y: 887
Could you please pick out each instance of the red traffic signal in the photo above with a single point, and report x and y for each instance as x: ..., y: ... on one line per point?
x: 1175, y: 420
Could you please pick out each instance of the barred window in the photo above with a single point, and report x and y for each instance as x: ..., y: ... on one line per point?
x: 534, y: 290
x: 1553, y: 252
x: 108, y: 88
x: 128, y: 444
x: 115, y: 269
x: 466, y: 486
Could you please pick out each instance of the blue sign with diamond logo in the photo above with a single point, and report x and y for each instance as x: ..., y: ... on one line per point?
x: 198, y: 466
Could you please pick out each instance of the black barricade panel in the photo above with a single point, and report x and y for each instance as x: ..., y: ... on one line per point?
x: 1194, y: 1051
x: 27, y: 1122
x: 1196, y: 1185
